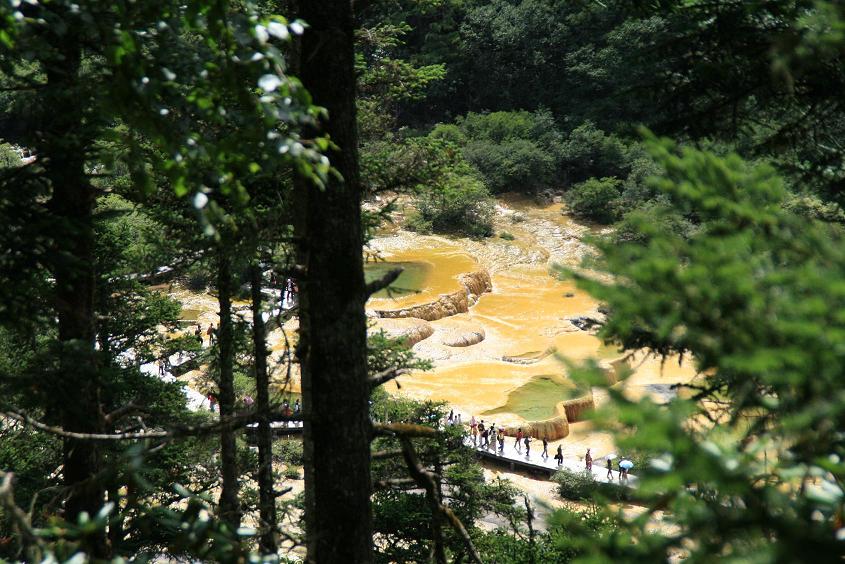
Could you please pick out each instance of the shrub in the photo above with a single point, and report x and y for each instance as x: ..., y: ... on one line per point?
x: 590, y: 152
x: 596, y: 199
x: 511, y: 150
x: 582, y: 485
x: 288, y: 452
x: 461, y: 203
x: 515, y: 164
x: 506, y: 236
x: 575, y: 485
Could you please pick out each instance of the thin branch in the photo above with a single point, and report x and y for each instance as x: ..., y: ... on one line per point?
x: 382, y: 454
x: 426, y: 480
x: 21, y: 519
x: 403, y: 430
x: 381, y: 283
x: 389, y: 483
x: 387, y: 375
x: 229, y: 423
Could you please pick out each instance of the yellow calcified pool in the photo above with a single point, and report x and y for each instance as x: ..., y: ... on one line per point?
x: 437, y: 265
x: 525, y: 316
x: 512, y: 374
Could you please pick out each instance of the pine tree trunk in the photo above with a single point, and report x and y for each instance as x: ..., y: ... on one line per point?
x: 266, y: 497
x: 62, y: 148
x: 229, y: 505
x: 332, y: 346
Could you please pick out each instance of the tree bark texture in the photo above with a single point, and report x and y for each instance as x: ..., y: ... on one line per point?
x: 230, y: 511
x: 62, y: 144
x: 266, y: 497
x: 332, y: 346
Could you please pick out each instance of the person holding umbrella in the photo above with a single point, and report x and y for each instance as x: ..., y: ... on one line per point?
x: 624, y: 466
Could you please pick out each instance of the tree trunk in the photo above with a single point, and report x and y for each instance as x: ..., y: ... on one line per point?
x: 230, y: 511
x: 266, y: 497
x: 332, y: 345
x: 62, y: 146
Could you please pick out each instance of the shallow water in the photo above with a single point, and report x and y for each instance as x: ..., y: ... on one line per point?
x: 536, y: 399
x: 414, y: 277
x: 524, y: 320
x: 434, y: 267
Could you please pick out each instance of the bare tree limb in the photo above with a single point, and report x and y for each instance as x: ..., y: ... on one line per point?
x: 382, y: 454
x: 403, y: 430
x: 20, y: 519
x: 426, y: 480
x: 386, y: 376
x: 381, y: 283
x: 230, y: 423
x: 394, y: 483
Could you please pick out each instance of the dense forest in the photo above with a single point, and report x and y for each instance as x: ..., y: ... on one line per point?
x: 224, y: 145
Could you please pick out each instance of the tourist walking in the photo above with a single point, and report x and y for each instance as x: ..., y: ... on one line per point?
x: 297, y: 407
x: 518, y: 440
x: 527, y: 445
x: 485, y: 438
x: 491, y: 435
x: 588, y: 461
x: 212, y: 334
x: 198, y: 334
x: 559, y: 455
x: 501, y: 437
x: 545, y: 453
x: 609, y: 470
x: 481, y: 432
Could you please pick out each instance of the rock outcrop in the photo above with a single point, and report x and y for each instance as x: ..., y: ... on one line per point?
x: 465, y: 338
x: 529, y: 357
x: 411, y: 330
x: 472, y: 284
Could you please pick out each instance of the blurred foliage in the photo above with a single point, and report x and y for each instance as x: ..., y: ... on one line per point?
x: 749, y: 465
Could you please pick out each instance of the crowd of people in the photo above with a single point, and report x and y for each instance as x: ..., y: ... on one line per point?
x: 490, y: 437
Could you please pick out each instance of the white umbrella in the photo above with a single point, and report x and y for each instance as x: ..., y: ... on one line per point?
x: 611, y: 456
x: 626, y: 464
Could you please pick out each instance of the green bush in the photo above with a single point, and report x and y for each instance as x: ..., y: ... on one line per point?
x: 590, y: 152
x: 575, y: 485
x: 511, y: 150
x: 596, y: 199
x: 583, y: 485
x: 461, y: 203
x: 506, y: 236
x: 288, y: 452
x: 515, y: 164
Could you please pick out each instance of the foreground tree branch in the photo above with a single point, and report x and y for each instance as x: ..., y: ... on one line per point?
x: 381, y: 283
x: 385, y: 376
x: 427, y: 481
x: 228, y: 423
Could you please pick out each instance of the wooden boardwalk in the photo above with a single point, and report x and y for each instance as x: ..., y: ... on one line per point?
x: 536, y: 464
